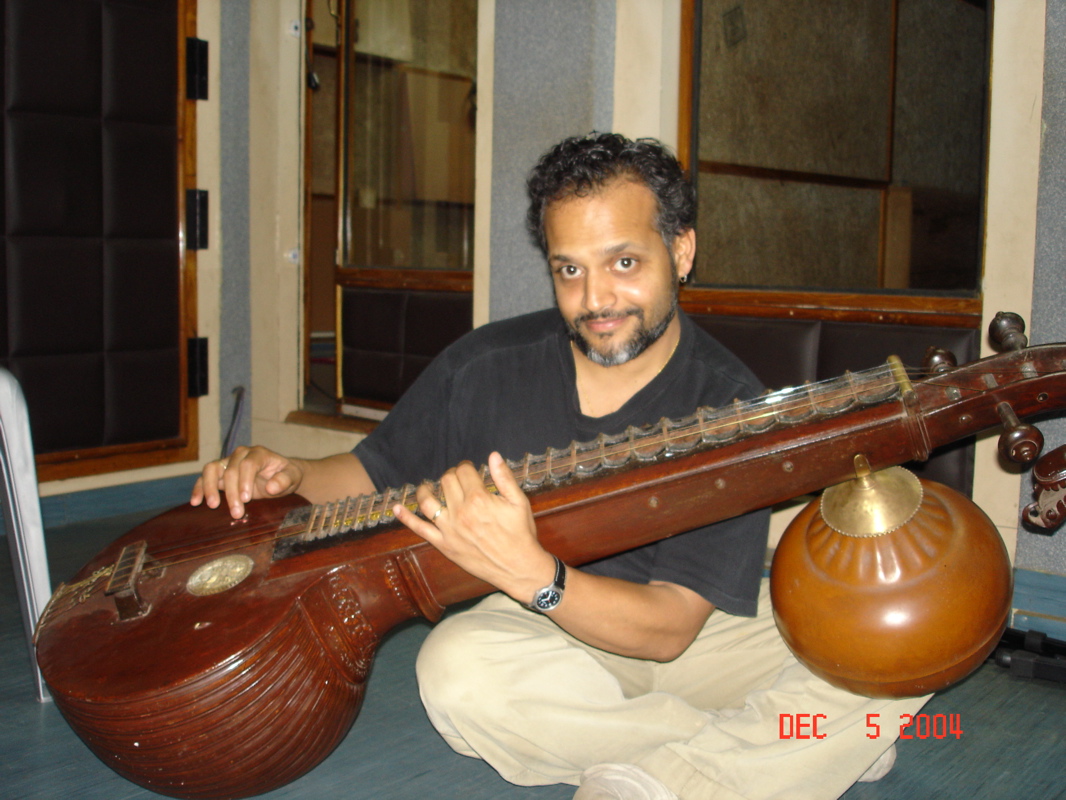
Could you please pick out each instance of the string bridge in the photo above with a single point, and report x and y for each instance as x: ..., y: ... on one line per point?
x: 132, y: 562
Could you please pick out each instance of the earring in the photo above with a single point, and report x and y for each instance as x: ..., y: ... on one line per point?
x: 683, y: 279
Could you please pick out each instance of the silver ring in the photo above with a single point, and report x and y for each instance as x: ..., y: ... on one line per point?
x: 439, y: 512
x: 224, y: 465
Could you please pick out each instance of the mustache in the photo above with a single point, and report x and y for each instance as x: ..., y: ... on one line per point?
x: 600, y: 315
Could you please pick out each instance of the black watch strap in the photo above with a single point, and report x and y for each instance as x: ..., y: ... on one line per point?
x: 551, y: 595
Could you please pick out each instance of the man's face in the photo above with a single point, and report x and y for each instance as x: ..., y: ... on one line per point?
x: 615, y: 279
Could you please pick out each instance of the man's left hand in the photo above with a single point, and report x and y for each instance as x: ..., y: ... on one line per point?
x: 491, y: 535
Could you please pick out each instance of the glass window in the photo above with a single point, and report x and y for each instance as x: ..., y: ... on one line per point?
x: 409, y: 134
x: 839, y: 147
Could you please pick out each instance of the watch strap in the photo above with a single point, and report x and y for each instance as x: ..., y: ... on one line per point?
x: 551, y: 595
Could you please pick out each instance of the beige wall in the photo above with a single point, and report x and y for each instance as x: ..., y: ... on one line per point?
x: 486, y: 65
x: 1010, y: 229
x: 276, y: 191
x: 647, y: 69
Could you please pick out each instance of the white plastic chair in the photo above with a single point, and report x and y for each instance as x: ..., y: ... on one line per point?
x: 22, y: 512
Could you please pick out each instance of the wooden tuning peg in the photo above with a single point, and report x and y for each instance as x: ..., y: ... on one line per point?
x: 938, y: 360
x: 1007, y: 331
x: 1020, y: 442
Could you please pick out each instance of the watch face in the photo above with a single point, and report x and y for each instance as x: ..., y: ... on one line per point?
x: 548, y: 599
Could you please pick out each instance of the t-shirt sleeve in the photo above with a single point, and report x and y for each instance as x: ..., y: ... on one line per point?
x: 411, y: 443
x: 722, y: 562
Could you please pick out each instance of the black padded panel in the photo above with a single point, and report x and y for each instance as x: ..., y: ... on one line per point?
x: 137, y: 382
x: 140, y: 180
x: 91, y: 264
x: 855, y: 346
x: 436, y: 319
x: 140, y: 55
x: 372, y: 338
x: 390, y: 336
x: 54, y: 175
x: 65, y: 397
x: 781, y: 353
x: 136, y: 269
x: 55, y: 295
x: 370, y: 375
x: 372, y: 320
x: 53, y: 50
x: 3, y: 171
x: 5, y: 347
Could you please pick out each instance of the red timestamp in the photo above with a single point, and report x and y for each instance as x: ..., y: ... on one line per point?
x: 911, y: 726
x: 919, y: 726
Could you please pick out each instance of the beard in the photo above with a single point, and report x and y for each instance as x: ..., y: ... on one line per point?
x: 640, y: 340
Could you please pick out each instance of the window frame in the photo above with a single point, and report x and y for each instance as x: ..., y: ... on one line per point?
x: 957, y: 310
x: 349, y: 276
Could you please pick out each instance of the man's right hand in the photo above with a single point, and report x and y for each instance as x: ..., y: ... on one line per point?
x: 247, y: 474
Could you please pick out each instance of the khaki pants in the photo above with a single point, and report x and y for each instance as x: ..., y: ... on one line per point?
x: 506, y: 685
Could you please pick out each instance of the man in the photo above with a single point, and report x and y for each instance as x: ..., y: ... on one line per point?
x: 644, y: 675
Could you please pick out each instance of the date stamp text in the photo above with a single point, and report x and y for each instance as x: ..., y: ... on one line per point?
x: 911, y: 726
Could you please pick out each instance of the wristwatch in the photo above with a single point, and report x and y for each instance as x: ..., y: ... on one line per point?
x: 551, y: 595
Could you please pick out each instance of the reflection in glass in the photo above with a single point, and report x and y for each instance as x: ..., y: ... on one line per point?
x: 840, y: 146
x: 409, y: 134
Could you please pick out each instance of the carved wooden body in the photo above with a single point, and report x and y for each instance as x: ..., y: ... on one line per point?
x: 236, y: 693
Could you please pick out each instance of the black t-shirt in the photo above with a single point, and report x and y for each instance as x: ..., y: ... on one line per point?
x: 510, y: 386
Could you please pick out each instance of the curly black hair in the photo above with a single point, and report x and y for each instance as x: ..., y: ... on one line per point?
x: 581, y: 165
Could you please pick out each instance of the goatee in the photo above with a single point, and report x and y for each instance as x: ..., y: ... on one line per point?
x: 643, y: 338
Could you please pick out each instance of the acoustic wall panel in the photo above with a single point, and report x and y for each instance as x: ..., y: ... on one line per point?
x: 91, y: 264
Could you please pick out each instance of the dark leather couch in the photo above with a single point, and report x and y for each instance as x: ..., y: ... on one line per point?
x: 388, y: 336
x: 785, y: 352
